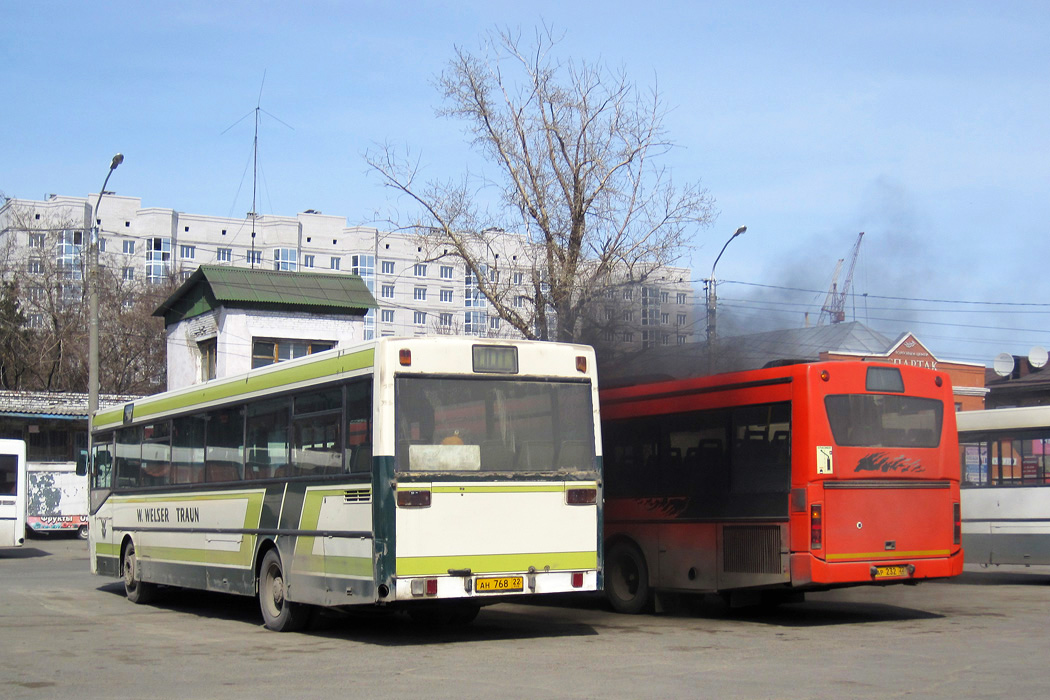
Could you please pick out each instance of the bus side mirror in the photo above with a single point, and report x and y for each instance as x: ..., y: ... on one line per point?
x: 82, y: 463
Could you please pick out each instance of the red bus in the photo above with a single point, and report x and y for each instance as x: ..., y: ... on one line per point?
x: 764, y: 484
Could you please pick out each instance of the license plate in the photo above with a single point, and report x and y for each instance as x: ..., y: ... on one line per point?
x: 890, y: 571
x: 502, y: 584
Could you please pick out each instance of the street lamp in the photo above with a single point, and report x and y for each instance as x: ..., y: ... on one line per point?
x: 93, y: 301
x: 709, y: 283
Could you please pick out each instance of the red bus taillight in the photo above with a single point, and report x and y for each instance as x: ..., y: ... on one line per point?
x: 816, y: 527
x: 413, y: 499
x: 581, y: 497
x: 577, y: 579
x: 957, y: 518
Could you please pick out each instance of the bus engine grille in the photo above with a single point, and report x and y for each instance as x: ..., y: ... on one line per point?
x: 751, y: 549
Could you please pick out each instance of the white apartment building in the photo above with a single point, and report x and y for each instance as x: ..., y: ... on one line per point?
x: 419, y: 291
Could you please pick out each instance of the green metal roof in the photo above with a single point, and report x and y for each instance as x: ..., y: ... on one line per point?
x: 211, y: 286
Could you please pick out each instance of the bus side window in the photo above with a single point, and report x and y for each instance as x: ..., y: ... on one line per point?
x: 127, y: 457
x: 187, y: 449
x: 224, y: 445
x: 358, y: 457
x: 102, y: 462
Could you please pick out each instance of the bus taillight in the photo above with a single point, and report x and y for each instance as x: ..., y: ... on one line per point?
x: 413, y: 498
x: 957, y: 519
x: 577, y: 579
x: 581, y: 497
x: 816, y: 527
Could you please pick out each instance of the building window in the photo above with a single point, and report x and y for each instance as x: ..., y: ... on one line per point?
x: 224, y: 254
x: 628, y: 294
x: 334, y: 263
x: 308, y: 261
x: 664, y: 297
x: 363, y: 265
x: 628, y: 316
x: 388, y: 291
x: 446, y: 272
x: 446, y: 296
x: 681, y: 319
x: 268, y: 351
x: 253, y: 257
x: 36, y: 240
x: 665, y: 318
x: 419, y: 293
x: 445, y: 320
x: 681, y: 340
x: 475, y: 323
x: 34, y: 266
x: 102, y: 245
x: 209, y: 353
x: 129, y: 247
x: 518, y: 278
x: 473, y: 298
x: 628, y: 337
x: 680, y: 297
x: 419, y: 318
x: 70, y: 245
x: 128, y: 274
x: 388, y: 267
x: 36, y: 320
x: 420, y: 270
x: 158, y: 259
x: 494, y: 322
x: 388, y: 315
x: 519, y: 302
x: 186, y: 252
x: 285, y: 259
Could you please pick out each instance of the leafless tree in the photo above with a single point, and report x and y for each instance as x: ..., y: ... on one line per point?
x: 576, y: 147
x: 43, y: 258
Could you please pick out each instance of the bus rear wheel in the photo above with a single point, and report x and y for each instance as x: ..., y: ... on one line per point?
x: 136, y: 590
x: 626, y: 579
x: 279, y: 613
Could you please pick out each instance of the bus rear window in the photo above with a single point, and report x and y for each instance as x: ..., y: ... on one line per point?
x: 880, y: 420
x: 451, y: 424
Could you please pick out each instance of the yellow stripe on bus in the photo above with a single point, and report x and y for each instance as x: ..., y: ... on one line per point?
x: 890, y: 554
x: 493, y: 563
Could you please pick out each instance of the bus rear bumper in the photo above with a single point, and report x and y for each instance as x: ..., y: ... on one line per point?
x: 491, y: 588
x: 809, y: 571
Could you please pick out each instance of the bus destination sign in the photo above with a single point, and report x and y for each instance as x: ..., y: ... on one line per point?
x: 496, y: 359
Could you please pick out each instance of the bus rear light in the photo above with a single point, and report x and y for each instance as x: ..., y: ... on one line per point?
x: 957, y: 519
x: 424, y: 586
x: 581, y: 497
x: 404, y: 356
x: 432, y: 586
x: 577, y: 579
x: 413, y: 499
x: 816, y: 527
x: 581, y: 363
x: 825, y: 375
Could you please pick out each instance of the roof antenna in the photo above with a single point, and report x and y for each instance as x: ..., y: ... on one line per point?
x: 253, y: 214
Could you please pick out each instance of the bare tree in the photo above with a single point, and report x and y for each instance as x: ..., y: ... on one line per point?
x: 576, y: 147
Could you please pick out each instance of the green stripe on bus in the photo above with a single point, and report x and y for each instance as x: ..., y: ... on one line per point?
x: 241, y: 386
x: 497, y: 563
x: 305, y: 561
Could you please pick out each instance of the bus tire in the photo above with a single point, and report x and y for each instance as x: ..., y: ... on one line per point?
x: 82, y: 532
x: 279, y: 613
x: 136, y: 590
x: 627, y: 579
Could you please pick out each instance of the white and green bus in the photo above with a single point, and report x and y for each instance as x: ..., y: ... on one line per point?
x: 434, y: 474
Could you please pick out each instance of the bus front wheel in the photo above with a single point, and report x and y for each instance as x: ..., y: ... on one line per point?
x: 279, y: 613
x: 136, y: 590
x: 626, y: 578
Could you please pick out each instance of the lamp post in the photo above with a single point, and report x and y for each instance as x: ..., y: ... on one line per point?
x: 93, y: 301
x: 709, y: 283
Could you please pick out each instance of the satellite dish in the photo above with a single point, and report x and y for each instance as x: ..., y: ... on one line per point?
x: 1003, y: 364
x: 1037, y: 357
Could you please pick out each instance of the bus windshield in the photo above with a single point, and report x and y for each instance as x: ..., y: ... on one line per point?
x: 458, y: 424
x: 884, y: 420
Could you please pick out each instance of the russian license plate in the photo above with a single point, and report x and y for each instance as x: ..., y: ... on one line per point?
x: 502, y: 584
x: 890, y: 571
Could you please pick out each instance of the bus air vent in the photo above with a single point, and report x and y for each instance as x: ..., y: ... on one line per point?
x: 751, y: 549
x: 357, y: 496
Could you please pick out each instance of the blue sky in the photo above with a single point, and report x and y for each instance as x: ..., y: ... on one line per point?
x: 924, y: 124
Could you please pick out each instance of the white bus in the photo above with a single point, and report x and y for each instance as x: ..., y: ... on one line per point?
x: 433, y: 474
x: 13, y: 487
x: 58, y: 498
x: 1005, y: 461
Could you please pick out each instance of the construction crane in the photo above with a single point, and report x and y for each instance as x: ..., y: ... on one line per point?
x: 834, y: 309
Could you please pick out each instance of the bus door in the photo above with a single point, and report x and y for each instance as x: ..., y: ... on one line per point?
x: 12, y: 492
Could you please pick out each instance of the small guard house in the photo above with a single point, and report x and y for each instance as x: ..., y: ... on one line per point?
x: 224, y: 320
